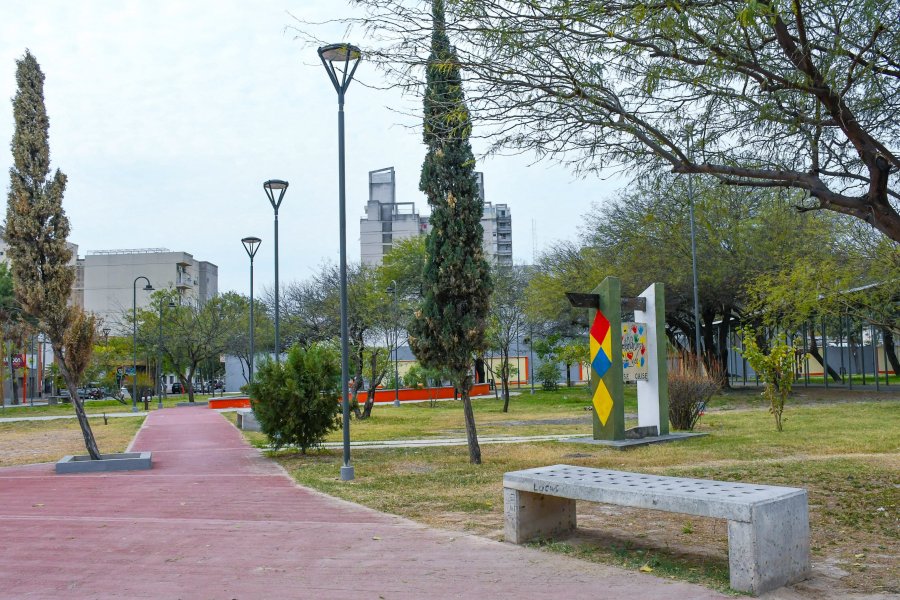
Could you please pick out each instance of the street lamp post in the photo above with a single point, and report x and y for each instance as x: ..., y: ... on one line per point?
x: 147, y: 288
x: 393, y: 288
x: 341, y: 61
x: 272, y: 186
x: 690, y: 190
x: 159, y: 373
x: 251, y: 245
x: 531, y: 355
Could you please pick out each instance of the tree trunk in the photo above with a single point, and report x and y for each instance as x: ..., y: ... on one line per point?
x: 890, y: 351
x: 814, y: 352
x: 568, y: 374
x: 356, y: 385
x: 90, y: 443
x: 504, y: 378
x: 471, y: 433
x: 722, y: 351
x: 13, y: 380
x: 707, y: 335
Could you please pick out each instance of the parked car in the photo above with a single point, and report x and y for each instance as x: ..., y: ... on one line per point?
x: 177, y: 388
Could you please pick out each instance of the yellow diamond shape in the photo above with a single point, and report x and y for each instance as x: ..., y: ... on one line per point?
x: 603, y: 402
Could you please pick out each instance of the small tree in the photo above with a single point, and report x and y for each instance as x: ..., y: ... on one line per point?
x: 573, y: 353
x: 775, y: 369
x: 36, y: 232
x: 296, y: 403
x: 504, y: 320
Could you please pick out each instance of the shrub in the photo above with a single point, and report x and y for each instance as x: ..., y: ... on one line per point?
x: 297, y: 402
x: 415, y: 377
x: 548, y: 375
x: 775, y: 368
x: 689, y: 391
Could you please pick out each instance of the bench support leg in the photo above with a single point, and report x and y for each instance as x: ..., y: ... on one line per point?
x: 772, y: 549
x: 529, y: 516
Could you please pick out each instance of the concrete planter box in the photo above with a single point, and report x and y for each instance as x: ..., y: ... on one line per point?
x: 125, y: 461
x: 204, y: 403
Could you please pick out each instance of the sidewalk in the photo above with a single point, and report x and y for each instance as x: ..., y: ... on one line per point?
x: 215, y: 519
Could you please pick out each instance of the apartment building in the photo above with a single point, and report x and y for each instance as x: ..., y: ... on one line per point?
x: 108, y: 278
x: 387, y: 221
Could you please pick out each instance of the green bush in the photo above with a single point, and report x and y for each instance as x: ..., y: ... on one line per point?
x: 775, y: 368
x: 548, y: 375
x: 297, y: 402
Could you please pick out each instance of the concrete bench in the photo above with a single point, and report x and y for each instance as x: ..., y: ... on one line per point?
x: 246, y: 420
x: 768, y: 526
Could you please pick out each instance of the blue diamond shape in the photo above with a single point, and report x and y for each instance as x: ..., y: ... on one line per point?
x: 601, y: 364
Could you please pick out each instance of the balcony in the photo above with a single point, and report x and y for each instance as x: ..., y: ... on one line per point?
x: 184, y: 281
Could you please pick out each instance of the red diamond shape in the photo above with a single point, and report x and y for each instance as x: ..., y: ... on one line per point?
x: 600, y: 327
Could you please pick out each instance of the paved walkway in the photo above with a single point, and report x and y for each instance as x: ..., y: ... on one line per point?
x: 112, y: 415
x: 215, y: 519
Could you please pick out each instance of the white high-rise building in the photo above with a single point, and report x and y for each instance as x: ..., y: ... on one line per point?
x: 388, y: 221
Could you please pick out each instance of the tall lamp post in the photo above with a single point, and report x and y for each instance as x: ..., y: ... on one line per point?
x: 690, y: 190
x: 159, y: 373
x: 531, y: 355
x: 393, y: 288
x: 272, y: 186
x: 147, y: 288
x: 251, y: 245
x: 341, y: 61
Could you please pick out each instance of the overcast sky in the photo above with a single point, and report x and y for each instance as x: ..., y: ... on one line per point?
x: 167, y: 117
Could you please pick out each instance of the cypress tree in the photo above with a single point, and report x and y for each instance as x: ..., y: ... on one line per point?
x: 36, y: 232
x: 450, y: 323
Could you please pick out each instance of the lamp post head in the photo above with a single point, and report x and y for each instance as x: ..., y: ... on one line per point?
x: 340, y: 61
x: 275, y: 185
x: 251, y: 245
x: 148, y: 288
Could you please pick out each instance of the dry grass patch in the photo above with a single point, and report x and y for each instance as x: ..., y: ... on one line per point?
x: 26, y: 442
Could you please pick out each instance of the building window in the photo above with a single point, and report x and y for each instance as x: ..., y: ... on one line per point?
x: 386, y: 238
x: 386, y: 248
x: 387, y: 226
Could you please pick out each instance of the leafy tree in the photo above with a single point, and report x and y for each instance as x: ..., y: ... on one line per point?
x: 106, y: 358
x: 795, y: 94
x: 855, y: 277
x: 573, y: 353
x: 505, y: 317
x: 36, y: 232
x: 297, y: 402
x: 237, y: 341
x: 313, y: 309
x: 193, y: 332
x: 13, y: 328
x: 449, y: 326
x: 405, y: 264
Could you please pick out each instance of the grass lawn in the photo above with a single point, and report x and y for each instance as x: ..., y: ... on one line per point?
x: 93, y: 407
x: 28, y: 442
x: 845, y: 454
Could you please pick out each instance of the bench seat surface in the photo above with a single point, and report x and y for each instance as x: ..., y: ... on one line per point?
x: 706, y: 498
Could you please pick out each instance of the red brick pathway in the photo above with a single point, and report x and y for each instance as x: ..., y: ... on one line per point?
x: 214, y: 519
